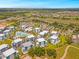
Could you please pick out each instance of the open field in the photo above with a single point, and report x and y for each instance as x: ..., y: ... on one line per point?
x: 72, y: 53
x: 50, y: 20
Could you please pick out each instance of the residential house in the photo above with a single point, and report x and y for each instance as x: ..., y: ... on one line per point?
x: 12, y: 28
x: 28, y: 29
x: 31, y: 38
x: 17, y: 43
x: 41, y: 42
x: 7, y: 32
x: 75, y: 38
x: 21, y: 34
x: 37, y: 30
x: 24, y: 26
x: 2, y: 36
x: 54, y: 33
x: 3, y: 48
x: 54, y: 39
x: 9, y: 54
x: 26, y: 46
x: 43, y: 33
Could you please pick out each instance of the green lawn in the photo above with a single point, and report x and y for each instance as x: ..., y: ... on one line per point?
x: 72, y: 53
x: 7, y: 41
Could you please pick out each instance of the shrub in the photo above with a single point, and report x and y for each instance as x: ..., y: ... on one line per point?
x: 39, y: 51
x: 31, y: 52
x: 51, y: 52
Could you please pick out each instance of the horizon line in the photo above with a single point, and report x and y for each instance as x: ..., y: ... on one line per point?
x: 39, y: 8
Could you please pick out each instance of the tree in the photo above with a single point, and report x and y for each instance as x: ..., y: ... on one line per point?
x: 69, y: 41
x: 17, y: 56
x: 51, y: 52
x: 63, y: 39
x: 39, y: 51
x: 31, y: 52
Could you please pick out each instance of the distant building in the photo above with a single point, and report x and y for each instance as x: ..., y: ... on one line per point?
x: 37, y: 30
x: 75, y: 38
x: 41, y: 42
x: 26, y: 46
x: 24, y: 26
x: 28, y: 29
x: 9, y: 54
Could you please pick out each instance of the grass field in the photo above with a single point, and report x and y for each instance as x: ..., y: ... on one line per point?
x: 51, y: 20
x: 72, y: 53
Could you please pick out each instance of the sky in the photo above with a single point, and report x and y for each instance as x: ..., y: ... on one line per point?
x: 39, y: 3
